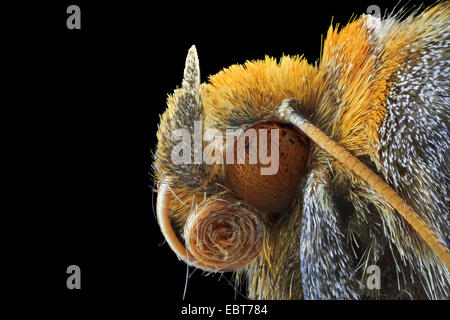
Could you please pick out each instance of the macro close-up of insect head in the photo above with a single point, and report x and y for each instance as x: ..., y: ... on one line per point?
x: 323, y: 178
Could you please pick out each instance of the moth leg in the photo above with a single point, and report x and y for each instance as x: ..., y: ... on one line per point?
x: 325, y: 261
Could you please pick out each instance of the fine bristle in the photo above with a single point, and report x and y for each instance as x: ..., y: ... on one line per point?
x: 381, y: 91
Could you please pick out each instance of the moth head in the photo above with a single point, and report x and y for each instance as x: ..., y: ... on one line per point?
x: 233, y: 185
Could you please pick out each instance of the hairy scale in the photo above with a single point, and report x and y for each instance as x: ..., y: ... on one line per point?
x: 381, y: 91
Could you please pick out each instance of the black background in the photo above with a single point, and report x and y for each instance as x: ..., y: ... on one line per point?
x: 92, y: 96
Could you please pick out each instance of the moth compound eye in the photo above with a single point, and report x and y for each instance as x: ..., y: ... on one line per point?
x: 271, y: 191
x: 222, y: 235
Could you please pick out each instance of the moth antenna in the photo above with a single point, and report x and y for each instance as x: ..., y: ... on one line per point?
x: 287, y: 113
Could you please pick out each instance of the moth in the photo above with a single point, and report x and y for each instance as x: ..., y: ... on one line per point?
x: 362, y: 174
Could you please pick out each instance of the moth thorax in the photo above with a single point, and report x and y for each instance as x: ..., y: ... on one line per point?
x: 270, y: 184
